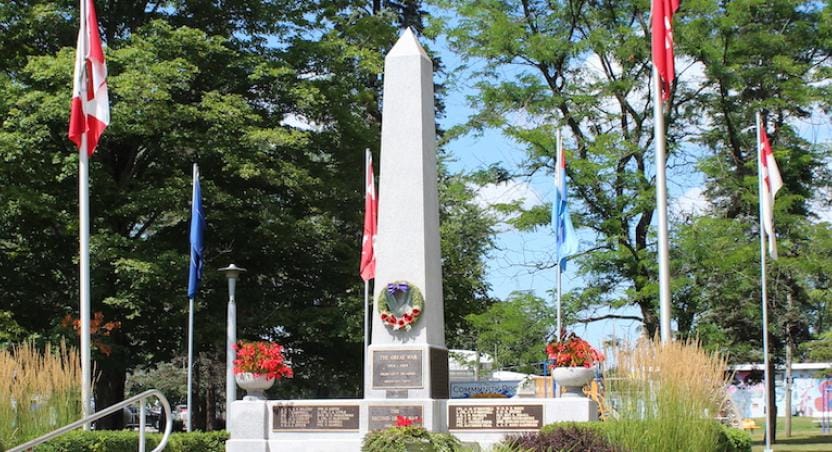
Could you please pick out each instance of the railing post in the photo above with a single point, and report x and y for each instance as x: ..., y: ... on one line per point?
x: 141, y: 425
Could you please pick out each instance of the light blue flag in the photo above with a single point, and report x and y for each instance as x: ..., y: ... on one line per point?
x: 197, y: 226
x: 566, y: 241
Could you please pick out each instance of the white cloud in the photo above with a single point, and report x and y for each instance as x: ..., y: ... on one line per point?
x: 821, y: 206
x: 505, y: 193
x: 691, y: 203
x: 300, y: 122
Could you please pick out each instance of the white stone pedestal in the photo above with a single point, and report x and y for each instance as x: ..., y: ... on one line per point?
x: 340, y: 425
x: 463, y: 413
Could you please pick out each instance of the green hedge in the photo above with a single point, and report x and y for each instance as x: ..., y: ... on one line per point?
x: 127, y: 441
x: 407, y: 439
x: 734, y: 440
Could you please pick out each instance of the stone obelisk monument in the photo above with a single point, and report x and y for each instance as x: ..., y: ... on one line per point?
x: 408, y: 357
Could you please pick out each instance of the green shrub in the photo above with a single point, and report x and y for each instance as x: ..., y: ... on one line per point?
x: 127, y: 441
x: 407, y: 439
x: 734, y: 440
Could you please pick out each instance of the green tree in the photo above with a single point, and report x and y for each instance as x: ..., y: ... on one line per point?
x: 584, y: 67
x: 276, y: 101
x: 514, y: 332
x: 756, y: 57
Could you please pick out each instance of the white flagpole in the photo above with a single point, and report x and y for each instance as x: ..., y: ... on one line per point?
x: 191, y: 326
x: 661, y: 208
x: 558, y: 184
x: 764, y: 295
x: 84, y: 230
x: 367, y: 158
x: 366, y: 327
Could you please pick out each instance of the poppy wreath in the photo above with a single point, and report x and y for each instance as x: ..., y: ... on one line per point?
x: 400, y: 304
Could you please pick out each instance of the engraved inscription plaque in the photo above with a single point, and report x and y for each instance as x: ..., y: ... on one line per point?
x: 315, y: 417
x: 495, y: 417
x: 397, y: 369
x: 384, y: 416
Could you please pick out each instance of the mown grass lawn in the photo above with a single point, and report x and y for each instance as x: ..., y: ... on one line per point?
x: 806, y: 436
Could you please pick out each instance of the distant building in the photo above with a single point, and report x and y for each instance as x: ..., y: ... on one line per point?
x: 811, y: 389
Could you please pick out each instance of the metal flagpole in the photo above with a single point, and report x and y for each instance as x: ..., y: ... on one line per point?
x: 764, y: 303
x: 661, y: 207
x: 366, y: 327
x: 558, y: 184
x: 190, y: 360
x: 191, y: 328
x: 84, y: 226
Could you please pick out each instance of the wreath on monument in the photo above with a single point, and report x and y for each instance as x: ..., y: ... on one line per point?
x: 400, y: 304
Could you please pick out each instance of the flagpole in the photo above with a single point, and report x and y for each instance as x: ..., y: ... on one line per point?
x: 190, y: 359
x: 661, y: 207
x: 558, y: 163
x: 84, y: 312
x: 191, y: 327
x: 764, y: 294
x: 366, y: 327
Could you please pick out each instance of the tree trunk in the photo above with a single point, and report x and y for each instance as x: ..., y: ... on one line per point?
x: 109, y: 390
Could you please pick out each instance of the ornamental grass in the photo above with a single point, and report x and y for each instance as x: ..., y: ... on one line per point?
x: 666, y: 397
x: 40, y: 390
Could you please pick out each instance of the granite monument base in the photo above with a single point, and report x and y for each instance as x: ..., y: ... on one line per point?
x: 327, y: 425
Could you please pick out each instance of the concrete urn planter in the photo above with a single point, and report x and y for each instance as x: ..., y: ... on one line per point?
x: 573, y: 379
x: 254, y: 384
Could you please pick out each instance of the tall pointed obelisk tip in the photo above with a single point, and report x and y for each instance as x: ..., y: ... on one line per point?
x: 407, y: 45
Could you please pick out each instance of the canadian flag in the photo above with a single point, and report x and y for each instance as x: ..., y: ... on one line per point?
x: 90, y: 112
x: 368, y: 255
x: 770, y: 183
x: 661, y: 19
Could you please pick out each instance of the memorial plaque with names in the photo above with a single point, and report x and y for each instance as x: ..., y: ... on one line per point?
x: 384, y: 416
x: 315, y: 417
x: 495, y: 417
x: 397, y: 369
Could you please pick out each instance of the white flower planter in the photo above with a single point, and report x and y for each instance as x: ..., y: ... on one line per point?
x: 255, y: 385
x: 573, y: 379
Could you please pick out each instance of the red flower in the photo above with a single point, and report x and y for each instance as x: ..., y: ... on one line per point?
x: 408, y: 318
x: 261, y: 358
x: 404, y: 421
x: 572, y: 351
x: 401, y: 322
x: 383, y: 316
x: 416, y: 312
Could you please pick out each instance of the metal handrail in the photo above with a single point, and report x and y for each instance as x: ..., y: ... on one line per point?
x: 107, y: 411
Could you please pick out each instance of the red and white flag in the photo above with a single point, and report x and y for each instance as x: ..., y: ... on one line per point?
x: 368, y: 243
x: 661, y: 18
x: 90, y: 112
x: 770, y: 182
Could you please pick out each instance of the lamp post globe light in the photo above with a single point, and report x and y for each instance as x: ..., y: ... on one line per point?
x: 232, y: 272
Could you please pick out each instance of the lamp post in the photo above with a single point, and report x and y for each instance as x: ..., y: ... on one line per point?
x: 232, y: 272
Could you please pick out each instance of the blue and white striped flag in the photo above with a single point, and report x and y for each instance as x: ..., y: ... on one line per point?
x: 566, y: 239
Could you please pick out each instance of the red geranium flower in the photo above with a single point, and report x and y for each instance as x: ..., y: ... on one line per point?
x: 261, y: 358
x: 572, y: 351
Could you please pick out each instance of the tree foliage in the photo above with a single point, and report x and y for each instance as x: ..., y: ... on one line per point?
x: 585, y: 67
x: 514, y: 332
x: 276, y: 101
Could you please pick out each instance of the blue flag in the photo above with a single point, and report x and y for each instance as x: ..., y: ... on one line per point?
x: 566, y: 241
x: 197, y: 226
